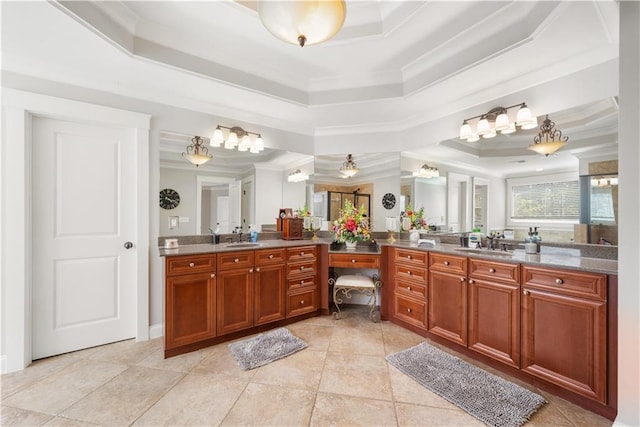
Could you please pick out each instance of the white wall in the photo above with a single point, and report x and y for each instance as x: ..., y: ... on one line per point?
x: 432, y: 195
x: 184, y: 182
x: 268, y: 195
x: 378, y: 212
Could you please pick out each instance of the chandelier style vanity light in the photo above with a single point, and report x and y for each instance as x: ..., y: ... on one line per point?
x: 349, y: 168
x: 549, y: 140
x: 196, y: 152
x: 237, y: 137
x: 297, y: 176
x: 303, y: 22
x: 497, y: 120
x: 427, y: 171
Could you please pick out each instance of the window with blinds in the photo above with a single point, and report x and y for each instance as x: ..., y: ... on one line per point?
x: 559, y: 200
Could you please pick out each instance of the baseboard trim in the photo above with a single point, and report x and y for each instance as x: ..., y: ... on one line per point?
x: 156, y: 331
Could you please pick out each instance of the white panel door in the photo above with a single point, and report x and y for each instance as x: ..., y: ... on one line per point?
x: 223, y: 214
x: 84, y: 217
x: 235, y: 204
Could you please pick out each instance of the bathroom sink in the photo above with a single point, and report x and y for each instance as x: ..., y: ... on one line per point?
x: 243, y: 245
x: 485, y: 252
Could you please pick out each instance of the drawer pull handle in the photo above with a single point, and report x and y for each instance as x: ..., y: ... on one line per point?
x: 462, y: 279
x: 270, y: 256
x: 353, y: 261
x: 301, y: 253
x: 446, y: 263
x: 301, y: 282
x: 471, y: 281
x: 213, y: 275
x: 251, y: 270
x: 408, y: 310
x: 409, y: 272
x: 525, y: 292
x: 408, y: 288
x: 408, y: 256
x: 258, y: 269
x: 301, y: 301
x: 302, y: 267
x: 192, y: 264
x: 559, y: 281
x: 236, y: 260
x: 492, y: 270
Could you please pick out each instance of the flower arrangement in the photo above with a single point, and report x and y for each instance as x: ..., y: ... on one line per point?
x: 413, y: 219
x: 304, y: 211
x: 352, y: 224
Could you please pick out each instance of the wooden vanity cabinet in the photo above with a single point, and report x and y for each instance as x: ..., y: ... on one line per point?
x: 303, y: 295
x: 269, y: 286
x: 564, y: 329
x: 447, y: 297
x: 494, y: 310
x: 410, y: 287
x: 235, y: 291
x: 190, y: 300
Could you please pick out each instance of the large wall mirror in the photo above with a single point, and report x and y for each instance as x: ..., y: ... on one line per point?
x: 424, y: 185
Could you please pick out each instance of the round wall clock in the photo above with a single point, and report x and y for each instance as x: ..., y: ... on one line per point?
x: 169, y: 198
x: 388, y: 201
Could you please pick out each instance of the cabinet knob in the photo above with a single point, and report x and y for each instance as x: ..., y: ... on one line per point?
x: 236, y: 260
x: 559, y: 281
x: 192, y: 264
x: 270, y: 256
x: 301, y: 253
x: 408, y: 288
x: 353, y: 261
x: 471, y: 281
x: 408, y: 310
x: 258, y: 269
x: 251, y: 270
x: 525, y: 292
x: 301, y: 282
x: 302, y: 267
x: 492, y: 270
x: 462, y: 279
x: 409, y: 272
x: 446, y: 263
x: 213, y: 275
x: 408, y: 256
x: 301, y: 301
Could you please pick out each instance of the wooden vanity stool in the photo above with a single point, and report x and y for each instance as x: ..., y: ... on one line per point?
x: 348, y: 283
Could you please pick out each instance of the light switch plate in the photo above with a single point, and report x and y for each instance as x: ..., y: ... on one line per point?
x: 173, y: 222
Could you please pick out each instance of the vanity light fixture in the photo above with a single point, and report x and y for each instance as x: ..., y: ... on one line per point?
x: 427, y: 171
x: 549, y: 140
x: 237, y: 137
x: 297, y: 176
x: 303, y: 22
x: 497, y: 120
x: 196, y: 152
x: 349, y: 168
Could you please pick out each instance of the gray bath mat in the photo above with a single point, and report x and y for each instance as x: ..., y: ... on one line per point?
x: 491, y: 399
x: 265, y: 348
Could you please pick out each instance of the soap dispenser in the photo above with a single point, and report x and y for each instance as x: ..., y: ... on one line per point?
x: 253, y: 233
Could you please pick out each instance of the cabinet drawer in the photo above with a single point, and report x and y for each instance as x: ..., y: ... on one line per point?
x: 575, y: 283
x: 190, y: 264
x: 354, y: 260
x: 302, y: 302
x: 301, y: 253
x: 301, y: 283
x: 491, y: 270
x: 448, y: 263
x: 412, y: 289
x: 301, y: 269
x: 232, y: 260
x: 415, y: 274
x: 270, y: 256
x: 411, y: 311
x: 409, y: 257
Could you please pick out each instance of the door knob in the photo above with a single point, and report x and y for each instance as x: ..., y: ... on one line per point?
x: 128, y: 245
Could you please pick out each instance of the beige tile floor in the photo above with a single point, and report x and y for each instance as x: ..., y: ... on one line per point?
x: 342, y: 378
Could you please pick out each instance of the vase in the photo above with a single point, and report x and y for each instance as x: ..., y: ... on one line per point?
x: 351, y: 246
x: 414, y: 236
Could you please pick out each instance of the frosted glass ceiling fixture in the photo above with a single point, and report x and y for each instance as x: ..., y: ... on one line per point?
x: 297, y: 176
x: 427, y: 171
x: 303, y: 22
x: 497, y: 120
x: 549, y: 140
x: 196, y: 152
x: 237, y: 137
x: 349, y: 168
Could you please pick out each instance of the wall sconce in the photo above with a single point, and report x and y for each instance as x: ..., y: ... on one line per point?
x: 237, y: 137
x: 427, y: 171
x: 297, y: 176
x: 349, y: 168
x: 497, y: 120
x: 549, y: 140
x: 303, y: 22
x: 196, y: 152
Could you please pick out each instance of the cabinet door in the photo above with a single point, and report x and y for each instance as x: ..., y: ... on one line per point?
x: 269, y: 294
x: 494, y: 320
x: 564, y: 341
x: 189, y: 309
x: 235, y: 300
x: 447, y: 313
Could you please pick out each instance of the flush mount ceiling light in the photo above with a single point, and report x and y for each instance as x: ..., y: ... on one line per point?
x: 196, y: 152
x: 349, y: 167
x: 237, y: 137
x: 497, y: 120
x: 549, y: 140
x: 427, y: 171
x: 297, y: 176
x: 303, y: 22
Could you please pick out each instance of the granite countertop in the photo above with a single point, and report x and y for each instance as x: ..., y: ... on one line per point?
x: 549, y: 256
